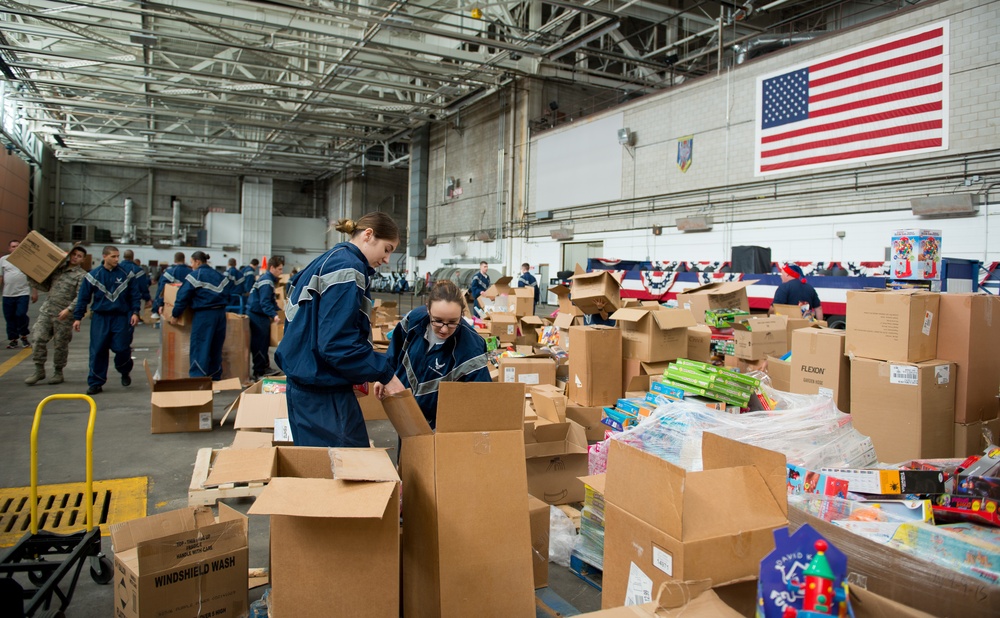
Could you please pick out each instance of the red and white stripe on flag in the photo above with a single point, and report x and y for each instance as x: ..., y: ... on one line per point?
x: 888, y: 98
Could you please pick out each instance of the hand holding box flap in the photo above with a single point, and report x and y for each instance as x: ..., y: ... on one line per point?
x: 362, y: 464
x: 480, y: 406
x: 405, y: 415
x: 306, y: 497
x: 242, y: 466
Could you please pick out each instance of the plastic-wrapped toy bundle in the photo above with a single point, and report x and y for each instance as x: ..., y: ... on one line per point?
x: 807, y: 429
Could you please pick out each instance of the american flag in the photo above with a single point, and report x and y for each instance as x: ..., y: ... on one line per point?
x: 885, y: 99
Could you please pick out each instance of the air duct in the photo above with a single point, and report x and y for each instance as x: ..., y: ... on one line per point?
x: 175, y: 222
x: 767, y: 43
x: 694, y: 224
x: 953, y: 205
x: 128, y: 232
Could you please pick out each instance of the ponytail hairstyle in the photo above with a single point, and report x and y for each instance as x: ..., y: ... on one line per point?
x: 447, y: 291
x: 380, y: 223
x: 201, y: 256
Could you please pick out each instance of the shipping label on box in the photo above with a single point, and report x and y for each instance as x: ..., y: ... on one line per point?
x: 530, y: 371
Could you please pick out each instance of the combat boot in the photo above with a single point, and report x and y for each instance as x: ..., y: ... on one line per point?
x: 57, y: 376
x: 36, y: 377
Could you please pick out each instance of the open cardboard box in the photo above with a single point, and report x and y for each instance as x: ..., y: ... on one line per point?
x: 180, y: 405
x: 334, y: 531
x: 720, y: 295
x: 596, y: 292
x: 654, y: 334
x: 181, y: 563
x: 758, y: 338
x: 465, y: 489
x: 556, y: 456
x: 713, y: 524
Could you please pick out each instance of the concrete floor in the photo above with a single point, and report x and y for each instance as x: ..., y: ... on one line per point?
x: 124, y: 447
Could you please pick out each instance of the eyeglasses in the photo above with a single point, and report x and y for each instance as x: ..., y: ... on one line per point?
x: 448, y: 325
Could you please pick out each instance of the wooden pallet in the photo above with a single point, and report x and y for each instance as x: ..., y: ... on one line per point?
x: 199, y: 495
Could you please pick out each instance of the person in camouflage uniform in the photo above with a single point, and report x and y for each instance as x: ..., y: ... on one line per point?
x: 54, y: 318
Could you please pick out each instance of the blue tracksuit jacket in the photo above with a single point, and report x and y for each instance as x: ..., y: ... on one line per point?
x: 139, y: 278
x: 327, y: 341
x: 526, y: 280
x: 422, y: 367
x: 111, y: 292
x: 203, y: 288
x: 262, y: 296
x: 173, y: 274
x: 249, y: 277
x: 480, y: 283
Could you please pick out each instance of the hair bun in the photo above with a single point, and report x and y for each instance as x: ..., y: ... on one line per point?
x: 346, y: 226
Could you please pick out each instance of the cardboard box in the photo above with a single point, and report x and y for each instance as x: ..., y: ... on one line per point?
x: 236, y: 348
x: 556, y: 455
x: 538, y: 515
x: 371, y: 406
x: 819, y: 365
x: 566, y: 306
x: 588, y: 417
x: 969, y: 336
x: 169, y: 299
x: 795, y: 320
x: 181, y: 563
x: 330, y: 508
x: 654, y: 334
x: 970, y: 438
x: 699, y: 343
x: 526, y: 370
x: 907, y: 409
x: 780, y: 372
x: 37, y: 257
x: 503, y: 326
x: 531, y: 326
x: 904, y: 577
x: 597, y: 288
x: 465, y: 487
x: 595, y: 377
x: 758, y: 338
x: 682, y: 530
x: 898, y: 325
x: 721, y: 295
x: 675, y: 599
x: 180, y: 405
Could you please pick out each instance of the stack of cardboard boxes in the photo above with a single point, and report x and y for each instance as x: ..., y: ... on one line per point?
x: 902, y: 393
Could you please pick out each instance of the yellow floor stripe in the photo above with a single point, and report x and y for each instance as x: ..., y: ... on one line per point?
x: 60, y: 507
x: 12, y: 362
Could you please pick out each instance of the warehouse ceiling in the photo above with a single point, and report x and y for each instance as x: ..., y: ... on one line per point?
x: 305, y: 88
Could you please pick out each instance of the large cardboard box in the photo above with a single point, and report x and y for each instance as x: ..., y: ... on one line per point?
x: 969, y: 335
x: 654, y: 334
x: 897, y: 325
x: 596, y: 292
x: 236, y: 348
x: 538, y: 513
x: 819, y: 365
x: 904, y: 577
x: 334, y: 532
x: 466, y: 535
x: 37, y: 257
x: 908, y: 409
x: 721, y: 295
x: 758, y: 338
x: 531, y: 326
x: 795, y: 319
x: 556, y: 455
x: 527, y: 370
x: 780, y: 372
x: 181, y: 404
x: 699, y: 343
x: 566, y: 305
x: 181, y: 563
x: 663, y: 523
x: 595, y: 366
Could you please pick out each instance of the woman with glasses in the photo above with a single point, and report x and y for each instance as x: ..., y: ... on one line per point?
x: 433, y: 344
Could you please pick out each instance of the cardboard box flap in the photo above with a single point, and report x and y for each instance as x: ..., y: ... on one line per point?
x: 691, y: 599
x: 655, y: 368
x: 149, y: 373
x: 791, y: 311
x: 328, y: 498
x: 259, y: 410
x: 630, y: 314
x: 480, y: 406
x: 720, y: 287
x: 564, y: 320
x: 128, y: 534
x: 753, y: 507
x: 181, y: 399
x: 773, y: 324
x: 554, y: 439
x: 627, y: 463
x: 230, y: 384
x: 252, y: 439
x: 405, y: 415
x: 667, y: 319
x: 595, y: 481
x: 242, y: 466
x: 533, y: 320
x: 362, y: 464
x: 549, y: 405
x: 719, y: 452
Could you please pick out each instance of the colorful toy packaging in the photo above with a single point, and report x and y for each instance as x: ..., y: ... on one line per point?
x: 804, y: 577
x: 916, y: 255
